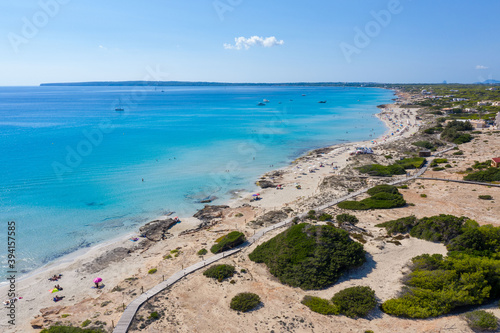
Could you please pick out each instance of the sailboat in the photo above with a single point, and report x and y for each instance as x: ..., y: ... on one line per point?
x: 119, y: 107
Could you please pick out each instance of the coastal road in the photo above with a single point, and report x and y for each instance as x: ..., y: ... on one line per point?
x: 128, y: 315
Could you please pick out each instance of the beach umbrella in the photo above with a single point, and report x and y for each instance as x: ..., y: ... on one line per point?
x: 256, y: 194
x: 97, y: 280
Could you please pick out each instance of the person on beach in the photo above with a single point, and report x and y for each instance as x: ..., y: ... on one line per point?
x: 55, y: 277
x: 58, y: 287
x: 57, y: 298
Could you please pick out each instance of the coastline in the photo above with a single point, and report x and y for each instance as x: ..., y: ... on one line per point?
x: 288, y: 198
x: 119, y: 240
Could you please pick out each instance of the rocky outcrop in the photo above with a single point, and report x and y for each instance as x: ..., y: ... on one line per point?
x: 208, y: 213
x: 39, y: 322
x: 103, y: 261
x: 270, y: 218
x: 265, y: 183
x: 157, y: 230
x: 208, y: 216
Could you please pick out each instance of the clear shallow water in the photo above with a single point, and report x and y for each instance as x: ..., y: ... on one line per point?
x: 72, y: 168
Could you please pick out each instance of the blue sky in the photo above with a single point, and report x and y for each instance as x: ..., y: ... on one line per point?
x: 95, y: 40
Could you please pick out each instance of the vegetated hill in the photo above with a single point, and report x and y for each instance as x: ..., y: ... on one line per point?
x: 309, y: 256
x: 469, y: 275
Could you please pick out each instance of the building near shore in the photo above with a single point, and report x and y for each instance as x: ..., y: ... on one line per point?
x: 495, y: 162
x: 424, y: 153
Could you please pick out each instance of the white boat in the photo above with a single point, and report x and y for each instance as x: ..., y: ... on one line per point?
x: 266, y: 100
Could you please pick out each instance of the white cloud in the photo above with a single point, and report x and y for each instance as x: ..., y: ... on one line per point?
x: 246, y: 43
x: 103, y: 47
x: 481, y: 67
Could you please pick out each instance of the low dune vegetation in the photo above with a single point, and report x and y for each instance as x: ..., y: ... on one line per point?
x: 381, y: 197
x: 352, y: 302
x: 397, y: 168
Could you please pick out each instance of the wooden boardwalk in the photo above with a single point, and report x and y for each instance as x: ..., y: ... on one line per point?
x: 128, y: 315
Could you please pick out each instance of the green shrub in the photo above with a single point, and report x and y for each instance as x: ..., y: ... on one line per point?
x: 403, y: 187
x: 355, y: 302
x: 460, y: 125
x: 411, y: 163
x: 220, y: 272
x: 378, y: 170
x: 400, y: 226
x: 245, y: 302
x: 423, y: 195
x: 441, y: 228
x: 382, y: 197
x: 320, y: 305
x: 437, y: 284
x: 384, y: 188
x: 397, y: 168
x: 202, y: 252
x: 69, y: 329
x: 86, y: 323
x: 152, y: 271
x: 453, y: 132
x: 438, y: 169
x: 325, y: 217
x: 341, y: 218
x: 309, y: 256
x: 488, y: 175
x: 228, y: 242
x: 424, y: 144
x: 486, y: 197
x: 458, y: 153
x: 481, y: 165
x: 311, y: 215
x: 481, y: 320
x: 154, y: 315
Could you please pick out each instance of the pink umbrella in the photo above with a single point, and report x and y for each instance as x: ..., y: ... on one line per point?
x: 97, y: 280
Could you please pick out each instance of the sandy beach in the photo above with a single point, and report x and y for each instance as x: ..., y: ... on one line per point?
x: 197, y: 305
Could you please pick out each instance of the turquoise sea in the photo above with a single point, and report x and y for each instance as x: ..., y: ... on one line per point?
x: 75, y: 172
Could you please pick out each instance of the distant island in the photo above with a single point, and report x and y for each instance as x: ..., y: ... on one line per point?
x: 195, y: 83
x: 249, y: 84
